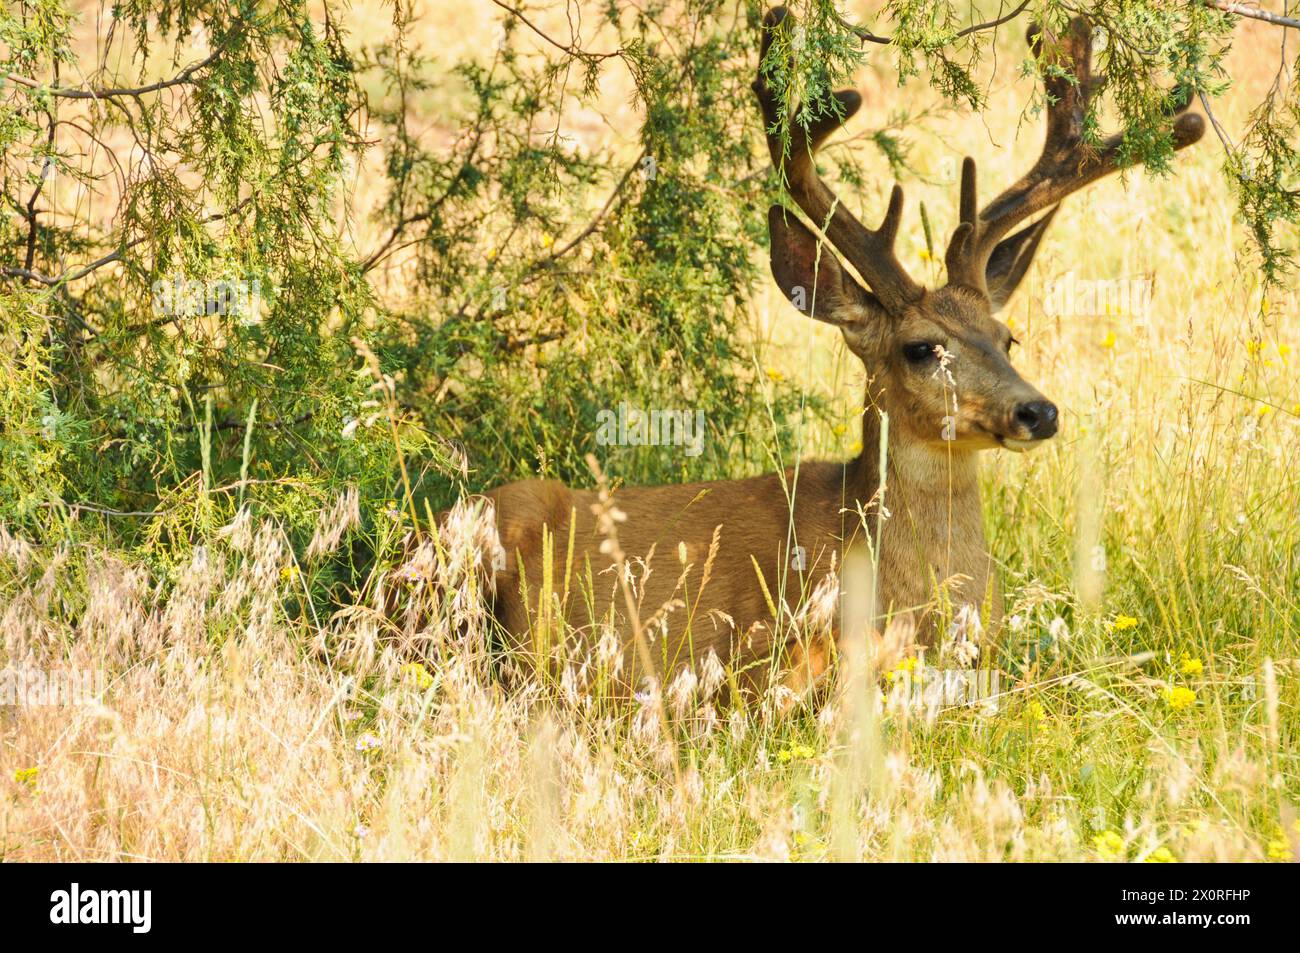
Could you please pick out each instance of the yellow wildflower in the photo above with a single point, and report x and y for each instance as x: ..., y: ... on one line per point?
x: 840, y: 430
x: 1109, y: 845
x: 289, y: 573
x: 908, y: 666
x: 1109, y: 340
x: 774, y: 375
x: 1124, y: 622
x: 1035, y: 711
x: 805, y: 844
x: 27, y: 776
x: 1179, y: 698
x: 1279, y: 850
x: 418, y: 674
x: 1162, y: 855
x: 796, y: 753
x: 1191, y: 666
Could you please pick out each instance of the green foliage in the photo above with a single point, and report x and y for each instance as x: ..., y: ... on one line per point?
x: 225, y: 186
x: 537, y: 283
x: 558, y: 283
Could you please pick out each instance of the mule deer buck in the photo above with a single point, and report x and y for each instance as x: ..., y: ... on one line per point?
x: 937, y: 367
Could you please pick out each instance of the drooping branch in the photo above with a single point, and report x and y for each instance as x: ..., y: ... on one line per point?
x: 1254, y: 13
x: 76, y: 274
x: 571, y: 50
x: 69, y: 92
x: 867, y: 36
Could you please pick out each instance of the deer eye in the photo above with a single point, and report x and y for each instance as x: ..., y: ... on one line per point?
x: 918, y: 352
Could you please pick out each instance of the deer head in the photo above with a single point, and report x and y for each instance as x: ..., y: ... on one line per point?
x: 907, y: 336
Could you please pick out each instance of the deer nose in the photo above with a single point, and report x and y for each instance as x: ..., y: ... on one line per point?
x: 1038, y: 417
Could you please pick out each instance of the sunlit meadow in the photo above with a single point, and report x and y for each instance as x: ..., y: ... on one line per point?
x: 1149, y: 669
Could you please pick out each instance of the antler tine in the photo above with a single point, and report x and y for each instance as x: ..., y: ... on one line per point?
x: 1065, y: 165
x: 870, y: 251
x: 959, y: 254
x: 969, y: 205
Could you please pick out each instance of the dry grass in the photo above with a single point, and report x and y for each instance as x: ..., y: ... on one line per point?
x: 228, y: 731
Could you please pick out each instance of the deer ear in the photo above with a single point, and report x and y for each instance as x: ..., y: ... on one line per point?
x: 1011, y: 259
x: 812, y: 278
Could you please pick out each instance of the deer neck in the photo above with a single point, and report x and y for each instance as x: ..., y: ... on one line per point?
x: 933, y: 529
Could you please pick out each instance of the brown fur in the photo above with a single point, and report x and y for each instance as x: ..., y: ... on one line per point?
x: 934, y: 533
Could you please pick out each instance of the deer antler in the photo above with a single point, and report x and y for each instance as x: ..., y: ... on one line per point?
x: 870, y: 251
x: 1066, y: 165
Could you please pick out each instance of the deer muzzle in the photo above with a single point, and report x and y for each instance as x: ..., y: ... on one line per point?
x: 1032, y: 422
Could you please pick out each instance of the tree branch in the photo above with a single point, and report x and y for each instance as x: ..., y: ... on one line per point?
x: 1241, y: 10
x: 867, y: 36
x: 68, y: 92
x: 570, y: 50
x: 78, y: 273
